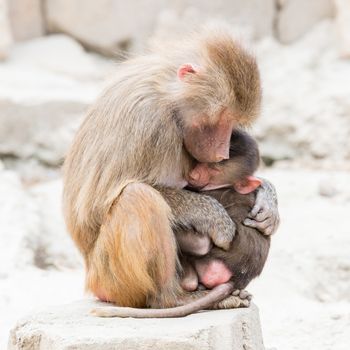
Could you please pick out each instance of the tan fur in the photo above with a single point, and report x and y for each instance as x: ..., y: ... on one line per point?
x: 137, y: 262
x: 133, y: 135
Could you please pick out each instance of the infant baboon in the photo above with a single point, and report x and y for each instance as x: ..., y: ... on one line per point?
x: 245, y: 259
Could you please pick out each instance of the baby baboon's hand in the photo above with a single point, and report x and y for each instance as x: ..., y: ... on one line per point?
x: 264, y: 216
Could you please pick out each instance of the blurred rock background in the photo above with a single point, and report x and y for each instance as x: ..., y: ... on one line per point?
x: 55, y: 56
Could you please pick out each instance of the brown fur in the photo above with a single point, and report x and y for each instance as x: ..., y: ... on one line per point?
x: 244, y: 159
x: 132, y: 139
x: 249, y: 249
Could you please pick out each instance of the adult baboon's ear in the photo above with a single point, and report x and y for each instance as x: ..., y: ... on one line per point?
x: 185, y: 69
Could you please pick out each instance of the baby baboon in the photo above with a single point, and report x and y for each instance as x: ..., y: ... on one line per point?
x: 248, y: 252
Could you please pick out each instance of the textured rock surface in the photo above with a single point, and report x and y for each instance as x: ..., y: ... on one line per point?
x: 106, y: 25
x: 343, y: 24
x: 31, y: 224
x: 71, y: 327
x: 50, y: 243
x: 46, y: 85
x: 5, y: 31
x: 18, y: 219
x: 296, y: 17
x: 34, y: 137
x: 306, y: 109
x: 111, y: 25
x: 26, y: 19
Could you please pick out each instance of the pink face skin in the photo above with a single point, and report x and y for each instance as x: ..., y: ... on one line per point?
x: 206, y: 140
x: 207, y: 178
x: 209, y: 143
x: 202, y: 175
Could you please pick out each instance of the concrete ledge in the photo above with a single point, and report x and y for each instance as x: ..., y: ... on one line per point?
x: 71, y: 327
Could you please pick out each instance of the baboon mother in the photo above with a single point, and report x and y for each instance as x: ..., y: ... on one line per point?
x: 131, y: 157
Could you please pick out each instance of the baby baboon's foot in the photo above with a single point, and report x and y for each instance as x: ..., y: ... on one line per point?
x: 232, y: 302
x: 201, y: 287
x: 243, y: 294
x: 239, y: 298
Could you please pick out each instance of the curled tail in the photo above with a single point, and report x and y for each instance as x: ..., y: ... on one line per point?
x: 216, y: 295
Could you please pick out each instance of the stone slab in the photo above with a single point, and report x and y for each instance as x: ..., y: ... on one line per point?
x: 72, y: 327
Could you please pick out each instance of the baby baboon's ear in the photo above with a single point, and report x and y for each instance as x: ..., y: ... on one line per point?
x: 248, y: 185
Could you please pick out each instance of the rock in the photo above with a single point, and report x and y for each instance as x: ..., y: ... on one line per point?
x: 71, y: 326
x: 254, y: 15
x: 34, y: 139
x: 326, y: 188
x: 106, y: 26
x: 18, y: 219
x: 46, y: 85
x: 331, y: 281
x: 61, y: 55
x: 26, y: 19
x: 5, y: 31
x: 318, y: 230
x: 128, y: 24
x: 306, y: 113
x: 51, y: 229
x: 39, y: 263
x: 32, y: 224
x: 343, y: 24
x: 296, y: 17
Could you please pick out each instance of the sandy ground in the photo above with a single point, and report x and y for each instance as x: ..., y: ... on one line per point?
x: 303, y: 294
